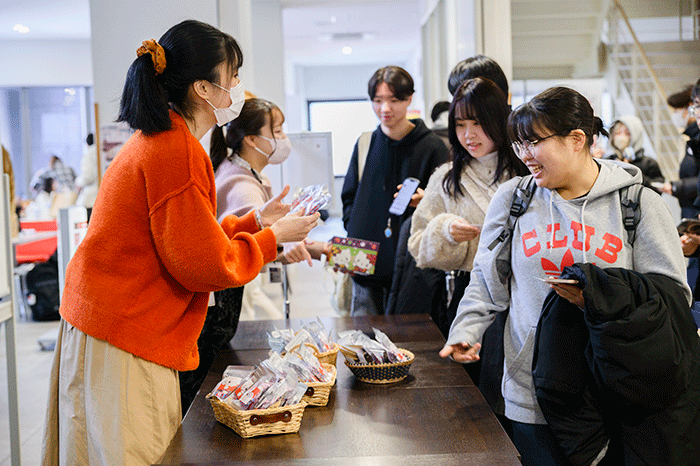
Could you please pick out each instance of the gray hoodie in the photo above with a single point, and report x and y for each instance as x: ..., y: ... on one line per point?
x: 538, y: 251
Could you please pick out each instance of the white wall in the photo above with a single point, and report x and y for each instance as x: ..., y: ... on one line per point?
x: 118, y: 28
x: 268, y: 51
x: 326, y: 83
x: 30, y: 63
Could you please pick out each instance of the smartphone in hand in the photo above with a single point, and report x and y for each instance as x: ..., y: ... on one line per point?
x: 564, y: 281
x: 403, y: 198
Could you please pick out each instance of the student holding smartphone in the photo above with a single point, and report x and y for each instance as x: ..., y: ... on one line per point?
x: 399, y: 148
x: 575, y: 221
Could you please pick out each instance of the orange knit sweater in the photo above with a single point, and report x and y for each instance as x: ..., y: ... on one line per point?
x: 141, y: 278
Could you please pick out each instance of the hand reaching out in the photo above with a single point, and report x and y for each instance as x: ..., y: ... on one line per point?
x: 462, y: 352
x: 298, y: 253
x: 274, y: 209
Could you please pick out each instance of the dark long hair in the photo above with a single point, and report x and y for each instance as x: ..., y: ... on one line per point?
x: 481, y: 100
x: 255, y: 114
x: 557, y: 110
x: 193, y: 51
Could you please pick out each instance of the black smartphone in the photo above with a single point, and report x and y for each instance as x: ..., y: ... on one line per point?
x: 689, y: 225
x: 403, y: 198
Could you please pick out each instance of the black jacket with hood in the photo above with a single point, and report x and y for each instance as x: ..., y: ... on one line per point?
x: 626, y: 369
x: 366, y: 204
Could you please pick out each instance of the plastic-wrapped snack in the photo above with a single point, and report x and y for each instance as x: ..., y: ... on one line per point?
x: 278, y: 339
x: 252, y: 395
x: 294, y: 396
x: 225, y: 388
x: 308, y: 359
x: 310, y: 199
x: 319, y: 337
x: 393, y: 352
x: 369, y: 351
x: 301, y: 337
x: 375, y: 352
x: 271, y: 395
x: 239, y: 372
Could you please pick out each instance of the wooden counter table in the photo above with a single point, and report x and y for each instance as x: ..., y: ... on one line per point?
x: 436, y: 416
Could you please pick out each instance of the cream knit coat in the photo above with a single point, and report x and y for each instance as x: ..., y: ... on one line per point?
x: 430, y: 243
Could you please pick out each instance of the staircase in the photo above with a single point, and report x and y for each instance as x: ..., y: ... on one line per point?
x: 646, y: 75
x: 592, y: 38
x: 676, y: 64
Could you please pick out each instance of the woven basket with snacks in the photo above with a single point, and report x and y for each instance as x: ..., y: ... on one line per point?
x: 379, y: 373
x: 327, y: 357
x: 255, y: 422
x: 318, y: 392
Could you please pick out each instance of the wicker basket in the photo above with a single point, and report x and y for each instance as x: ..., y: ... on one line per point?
x: 328, y: 357
x: 282, y: 420
x: 317, y: 393
x: 382, y: 373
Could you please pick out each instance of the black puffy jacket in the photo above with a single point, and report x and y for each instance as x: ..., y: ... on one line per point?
x: 625, y: 370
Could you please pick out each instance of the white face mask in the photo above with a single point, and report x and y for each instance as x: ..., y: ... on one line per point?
x: 621, y: 141
x: 282, y: 149
x: 230, y: 113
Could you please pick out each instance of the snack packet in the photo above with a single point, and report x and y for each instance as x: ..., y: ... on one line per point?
x: 310, y: 199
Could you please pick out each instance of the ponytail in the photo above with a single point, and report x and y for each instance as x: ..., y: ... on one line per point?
x: 160, y: 78
x: 217, y: 147
x: 599, y: 127
x: 144, y: 102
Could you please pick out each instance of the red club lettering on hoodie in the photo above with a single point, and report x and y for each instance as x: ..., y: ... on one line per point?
x: 609, y: 251
x: 558, y: 243
x: 533, y: 249
x: 576, y: 243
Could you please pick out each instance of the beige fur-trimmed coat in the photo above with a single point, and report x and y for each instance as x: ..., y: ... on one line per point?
x: 430, y: 243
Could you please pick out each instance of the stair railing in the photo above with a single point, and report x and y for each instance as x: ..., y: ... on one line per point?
x: 633, y: 75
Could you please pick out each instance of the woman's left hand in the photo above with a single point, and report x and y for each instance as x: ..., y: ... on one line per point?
x: 274, y: 209
x: 571, y: 293
x: 298, y: 253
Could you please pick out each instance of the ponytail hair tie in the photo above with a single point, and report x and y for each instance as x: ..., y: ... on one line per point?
x: 157, y: 54
x: 599, y: 127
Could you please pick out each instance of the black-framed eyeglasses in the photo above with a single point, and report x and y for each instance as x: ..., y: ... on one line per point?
x: 519, y: 147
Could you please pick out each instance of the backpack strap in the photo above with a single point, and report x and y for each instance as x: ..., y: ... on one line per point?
x: 629, y: 199
x: 363, y: 144
x: 521, y: 201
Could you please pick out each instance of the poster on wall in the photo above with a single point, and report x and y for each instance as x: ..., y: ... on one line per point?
x: 113, y: 137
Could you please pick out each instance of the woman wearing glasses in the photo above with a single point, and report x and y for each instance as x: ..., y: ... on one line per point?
x: 575, y: 217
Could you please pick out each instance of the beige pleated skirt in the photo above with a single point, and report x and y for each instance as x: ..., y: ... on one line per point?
x: 107, y: 406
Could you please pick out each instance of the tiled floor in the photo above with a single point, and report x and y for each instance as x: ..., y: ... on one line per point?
x: 310, y: 295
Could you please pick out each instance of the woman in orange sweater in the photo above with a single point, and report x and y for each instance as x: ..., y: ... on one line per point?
x: 137, y: 288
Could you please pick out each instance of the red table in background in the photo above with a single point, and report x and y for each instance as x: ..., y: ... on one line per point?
x: 36, y: 247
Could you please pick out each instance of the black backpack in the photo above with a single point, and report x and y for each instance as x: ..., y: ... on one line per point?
x: 629, y: 203
x: 42, y: 290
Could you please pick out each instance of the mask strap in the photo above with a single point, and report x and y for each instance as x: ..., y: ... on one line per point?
x: 274, y: 146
